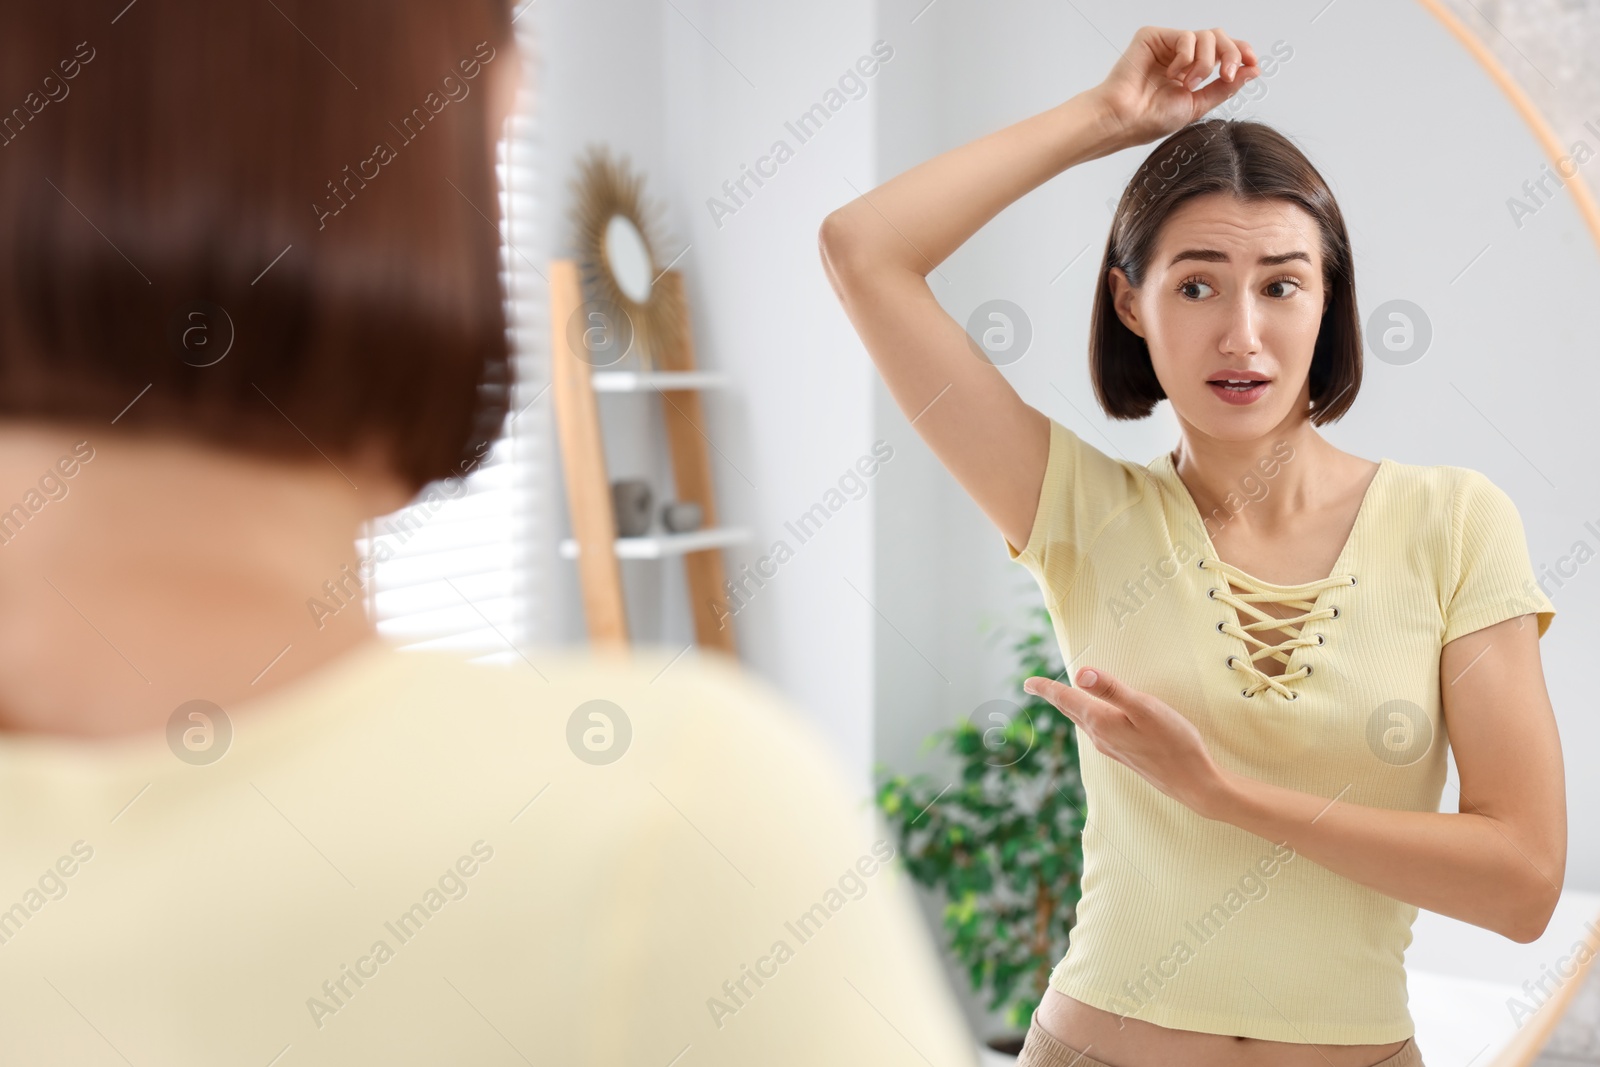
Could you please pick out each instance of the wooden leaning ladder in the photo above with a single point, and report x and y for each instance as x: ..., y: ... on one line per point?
x: 589, y: 487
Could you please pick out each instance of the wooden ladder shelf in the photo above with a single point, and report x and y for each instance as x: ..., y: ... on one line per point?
x: 589, y: 487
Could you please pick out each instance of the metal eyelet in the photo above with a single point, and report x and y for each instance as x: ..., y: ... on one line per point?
x: 1336, y: 613
x: 1319, y: 639
x: 1220, y: 624
x: 1352, y: 579
x: 1309, y: 669
x: 1212, y: 592
x: 1201, y: 563
x: 1294, y: 696
x: 1228, y: 663
x: 1245, y: 693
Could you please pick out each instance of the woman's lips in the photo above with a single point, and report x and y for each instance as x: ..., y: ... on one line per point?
x: 1239, y: 396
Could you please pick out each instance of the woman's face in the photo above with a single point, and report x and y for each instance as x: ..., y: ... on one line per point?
x: 1232, y: 290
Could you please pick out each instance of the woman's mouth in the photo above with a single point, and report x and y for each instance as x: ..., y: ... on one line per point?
x: 1238, y: 392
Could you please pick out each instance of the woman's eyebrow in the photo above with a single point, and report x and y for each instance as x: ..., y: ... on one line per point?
x: 1212, y: 255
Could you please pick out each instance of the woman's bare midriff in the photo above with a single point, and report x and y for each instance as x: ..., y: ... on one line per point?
x: 1124, y: 1042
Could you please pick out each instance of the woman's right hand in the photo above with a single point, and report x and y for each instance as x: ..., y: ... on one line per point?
x: 1152, y: 90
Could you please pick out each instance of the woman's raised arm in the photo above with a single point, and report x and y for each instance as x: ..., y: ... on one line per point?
x: 879, y: 248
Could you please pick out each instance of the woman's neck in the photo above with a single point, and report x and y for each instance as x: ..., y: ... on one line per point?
x: 160, y: 571
x: 1283, y: 476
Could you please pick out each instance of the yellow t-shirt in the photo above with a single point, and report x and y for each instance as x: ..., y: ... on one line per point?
x: 405, y: 858
x: 1196, y: 924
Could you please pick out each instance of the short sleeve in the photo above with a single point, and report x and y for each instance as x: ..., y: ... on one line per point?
x: 1084, y: 489
x: 1491, y: 577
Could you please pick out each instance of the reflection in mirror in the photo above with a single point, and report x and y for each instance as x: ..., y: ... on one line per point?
x: 628, y: 257
x: 1118, y: 582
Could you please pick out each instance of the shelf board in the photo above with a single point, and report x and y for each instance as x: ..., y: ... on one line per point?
x: 628, y: 381
x: 659, y: 546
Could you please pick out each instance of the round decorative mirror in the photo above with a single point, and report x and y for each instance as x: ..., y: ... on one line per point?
x: 616, y: 252
x: 628, y: 258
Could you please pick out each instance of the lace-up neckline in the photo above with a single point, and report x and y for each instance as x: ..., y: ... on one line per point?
x: 1304, y: 598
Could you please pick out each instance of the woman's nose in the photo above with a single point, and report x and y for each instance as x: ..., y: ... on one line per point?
x: 1241, y: 336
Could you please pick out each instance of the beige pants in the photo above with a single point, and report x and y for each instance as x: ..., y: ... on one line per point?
x: 1041, y: 1049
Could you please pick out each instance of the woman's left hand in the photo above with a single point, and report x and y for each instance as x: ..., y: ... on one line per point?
x: 1140, y: 732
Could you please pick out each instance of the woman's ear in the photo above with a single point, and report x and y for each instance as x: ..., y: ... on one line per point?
x: 1123, y: 295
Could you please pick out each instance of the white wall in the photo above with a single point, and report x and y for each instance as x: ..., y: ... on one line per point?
x: 801, y: 415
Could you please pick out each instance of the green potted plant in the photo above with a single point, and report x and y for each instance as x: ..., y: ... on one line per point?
x: 1002, y: 844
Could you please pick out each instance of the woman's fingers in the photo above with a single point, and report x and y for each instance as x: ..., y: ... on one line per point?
x: 1049, y: 688
x: 1195, y: 53
x: 1067, y: 700
x: 1103, y: 686
x: 1205, y: 57
x: 1137, y: 730
x: 1229, y: 55
x: 1218, y: 91
x: 1086, y: 702
x: 1182, y: 46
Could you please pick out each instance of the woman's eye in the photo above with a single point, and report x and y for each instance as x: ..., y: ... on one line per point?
x: 1187, y: 287
x: 1282, y: 281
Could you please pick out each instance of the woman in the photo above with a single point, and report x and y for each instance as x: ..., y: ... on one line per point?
x: 250, y: 298
x: 1271, y: 683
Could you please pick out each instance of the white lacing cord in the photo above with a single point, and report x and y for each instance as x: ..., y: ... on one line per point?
x: 1303, y: 598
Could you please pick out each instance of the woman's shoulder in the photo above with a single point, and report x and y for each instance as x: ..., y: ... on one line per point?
x: 699, y: 692
x: 1443, y: 484
x: 1442, y: 508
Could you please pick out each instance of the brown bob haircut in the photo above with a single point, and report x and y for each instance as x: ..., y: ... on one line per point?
x: 1254, y: 163
x: 308, y: 181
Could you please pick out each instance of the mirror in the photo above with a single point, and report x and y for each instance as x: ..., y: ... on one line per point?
x: 628, y: 257
x: 617, y: 242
